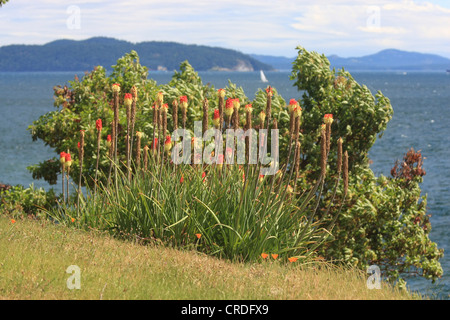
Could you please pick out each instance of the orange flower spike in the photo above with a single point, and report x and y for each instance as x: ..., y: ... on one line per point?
x: 68, y: 159
x: 165, y: 108
x: 128, y: 99
x: 62, y: 157
x: 328, y: 118
x: 183, y: 102
x: 216, y: 118
x: 264, y: 255
x: 116, y: 87
x: 160, y: 98
x: 13, y: 221
x: 262, y: 116
x: 236, y: 104
x: 198, y: 235
x: 229, y: 108
x: 293, y: 104
x: 221, y: 93
x: 269, y: 91
x: 168, y: 144
x: 274, y: 256
x: 73, y: 219
x: 181, y: 179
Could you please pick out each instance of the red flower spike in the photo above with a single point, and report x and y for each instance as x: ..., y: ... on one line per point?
x: 128, y: 99
x: 98, y: 124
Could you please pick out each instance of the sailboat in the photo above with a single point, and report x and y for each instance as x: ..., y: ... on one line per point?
x: 263, y: 76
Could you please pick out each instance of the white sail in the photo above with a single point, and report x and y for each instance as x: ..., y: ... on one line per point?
x: 263, y: 76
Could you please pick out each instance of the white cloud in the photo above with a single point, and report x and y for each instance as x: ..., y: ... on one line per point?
x: 268, y: 27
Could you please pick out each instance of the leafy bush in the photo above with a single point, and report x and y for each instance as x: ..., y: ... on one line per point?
x: 375, y: 226
x: 384, y: 220
x: 19, y: 201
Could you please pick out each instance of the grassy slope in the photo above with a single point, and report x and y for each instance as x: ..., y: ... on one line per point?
x: 34, y: 256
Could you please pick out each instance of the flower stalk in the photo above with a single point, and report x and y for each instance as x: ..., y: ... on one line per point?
x: 81, y: 156
x: 98, y: 125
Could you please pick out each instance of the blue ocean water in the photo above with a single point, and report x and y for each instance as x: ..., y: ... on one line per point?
x: 420, y: 101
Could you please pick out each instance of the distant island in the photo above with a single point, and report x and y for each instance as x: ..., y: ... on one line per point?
x: 84, y: 55
x: 385, y: 60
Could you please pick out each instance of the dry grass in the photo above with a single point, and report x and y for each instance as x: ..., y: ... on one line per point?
x: 34, y: 256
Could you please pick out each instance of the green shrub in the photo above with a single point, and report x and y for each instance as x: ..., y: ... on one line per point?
x: 19, y: 201
x: 375, y: 225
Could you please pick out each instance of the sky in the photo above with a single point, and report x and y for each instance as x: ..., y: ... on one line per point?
x: 275, y: 27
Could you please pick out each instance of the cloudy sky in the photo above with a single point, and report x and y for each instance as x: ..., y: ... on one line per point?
x: 275, y: 27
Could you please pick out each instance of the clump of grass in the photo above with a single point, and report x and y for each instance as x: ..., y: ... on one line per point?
x: 239, y: 213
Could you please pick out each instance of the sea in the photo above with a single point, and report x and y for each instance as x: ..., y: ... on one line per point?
x: 420, y: 101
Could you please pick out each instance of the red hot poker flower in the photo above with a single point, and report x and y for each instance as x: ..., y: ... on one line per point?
x: 160, y: 97
x: 168, y: 143
x: 229, y: 108
x: 216, y: 118
x: 62, y: 157
x: 328, y: 118
x: 236, y: 103
x: 164, y: 108
x: 116, y: 87
x: 128, y: 99
x: 68, y: 159
x: 293, y: 104
x: 183, y: 102
x: 98, y: 124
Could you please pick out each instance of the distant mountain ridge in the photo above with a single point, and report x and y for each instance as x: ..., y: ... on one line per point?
x: 385, y: 60
x: 84, y: 55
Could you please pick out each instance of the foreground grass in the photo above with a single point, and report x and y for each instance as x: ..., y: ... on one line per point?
x: 34, y: 256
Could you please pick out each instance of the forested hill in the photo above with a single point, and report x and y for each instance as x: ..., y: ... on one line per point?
x: 84, y: 55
